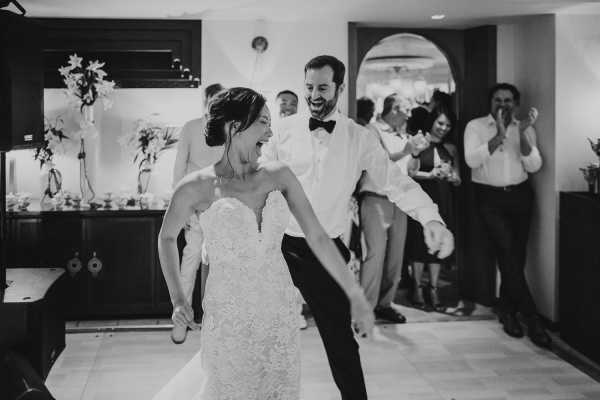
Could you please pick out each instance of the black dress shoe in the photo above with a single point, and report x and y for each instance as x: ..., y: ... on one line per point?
x: 389, y: 314
x: 511, y: 325
x: 537, y: 333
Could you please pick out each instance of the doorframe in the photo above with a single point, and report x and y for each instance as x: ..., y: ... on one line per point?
x: 470, y: 53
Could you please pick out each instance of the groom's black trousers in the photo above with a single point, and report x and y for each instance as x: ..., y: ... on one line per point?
x: 331, y: 310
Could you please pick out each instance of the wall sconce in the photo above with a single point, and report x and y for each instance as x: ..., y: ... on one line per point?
x: 260, y: 44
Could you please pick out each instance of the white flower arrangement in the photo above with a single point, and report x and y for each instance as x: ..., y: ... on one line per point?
x: 147, y: 141
x: 55, y: 142
x: 86, y: 85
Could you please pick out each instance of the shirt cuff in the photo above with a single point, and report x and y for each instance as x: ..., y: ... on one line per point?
x: 532, y: 156
x: 430, y: 214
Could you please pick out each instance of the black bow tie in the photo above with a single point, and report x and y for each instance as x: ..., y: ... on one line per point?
x: 314, y: 123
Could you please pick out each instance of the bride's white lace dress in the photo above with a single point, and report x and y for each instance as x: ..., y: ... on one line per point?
x: 249, y: 338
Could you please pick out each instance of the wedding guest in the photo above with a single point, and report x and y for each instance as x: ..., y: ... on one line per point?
x: 193, y: 154
x: 419, y: 114
x: 438, y: 173
x: 365, y: 109
x: 382, y: 223
x: 502, y: 152
x: 287, y: 102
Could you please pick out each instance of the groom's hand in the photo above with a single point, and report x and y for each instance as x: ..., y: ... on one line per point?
x: 438, y: 239
x: 362, y: 314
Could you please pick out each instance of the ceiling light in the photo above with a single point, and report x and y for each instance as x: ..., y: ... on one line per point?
x: 438, y: 16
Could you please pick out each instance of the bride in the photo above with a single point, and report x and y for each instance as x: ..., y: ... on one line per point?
x: 250, y: 336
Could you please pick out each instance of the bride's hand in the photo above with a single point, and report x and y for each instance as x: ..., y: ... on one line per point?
x: 183, y: 315
x: 362, y: 314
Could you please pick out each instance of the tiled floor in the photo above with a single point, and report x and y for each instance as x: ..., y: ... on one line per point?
x: 468, y: 360
x: 463, y: 311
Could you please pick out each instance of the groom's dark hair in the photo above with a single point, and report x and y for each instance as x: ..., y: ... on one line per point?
x: 339, y: 70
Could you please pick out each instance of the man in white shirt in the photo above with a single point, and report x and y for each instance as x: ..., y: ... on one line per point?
x: 193, y: 154
x: 328, y: 152
x: 382, y: 223
x: 287, y: 102
x: 501, y: 152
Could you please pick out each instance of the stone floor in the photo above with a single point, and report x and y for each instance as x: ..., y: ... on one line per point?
x: 460, y: 360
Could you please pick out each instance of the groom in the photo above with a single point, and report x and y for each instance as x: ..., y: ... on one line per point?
x: 328, y: 152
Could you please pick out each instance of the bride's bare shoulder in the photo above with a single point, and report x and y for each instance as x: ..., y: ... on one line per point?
x: 198, y: 186
x: 278, y: 172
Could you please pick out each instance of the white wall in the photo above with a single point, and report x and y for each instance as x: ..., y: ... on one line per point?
x: 578, y: 96
x: 526, y: 58
x: 226, y: 58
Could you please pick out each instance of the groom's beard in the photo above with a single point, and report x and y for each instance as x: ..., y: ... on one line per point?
x: 320, y: 108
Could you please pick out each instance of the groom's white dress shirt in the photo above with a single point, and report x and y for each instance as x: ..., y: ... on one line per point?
x: 328, y: 166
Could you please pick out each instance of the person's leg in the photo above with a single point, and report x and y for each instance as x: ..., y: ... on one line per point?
x: 498, y: 227
x: 434, y: 276
x: 520, y: 214
x: 417, y: 271
x: 393, y: 266
x: 331, y: 310
x: 375, y: 220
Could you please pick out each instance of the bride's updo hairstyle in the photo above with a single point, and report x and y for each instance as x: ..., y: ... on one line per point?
x: 237, y: 104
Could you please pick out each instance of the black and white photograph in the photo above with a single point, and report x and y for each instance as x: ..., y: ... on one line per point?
x: 299, y: 200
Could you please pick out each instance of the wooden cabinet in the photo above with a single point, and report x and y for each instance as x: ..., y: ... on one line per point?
x: 579, y: 279
x: 26, y: 252
x: 21, y: 82
x: 111, y: 259
x: 125, y: 250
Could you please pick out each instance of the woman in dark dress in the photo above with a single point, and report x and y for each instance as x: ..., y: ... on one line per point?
x: 438, y: 172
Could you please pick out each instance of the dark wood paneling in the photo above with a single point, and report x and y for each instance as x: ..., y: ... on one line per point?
x: 125, y: 248
x: 478, y: 276
x: 137, y: 52
x: 27, y: 251
x: 579, y: 272
x: 21, y: 82
x: 131, y: 282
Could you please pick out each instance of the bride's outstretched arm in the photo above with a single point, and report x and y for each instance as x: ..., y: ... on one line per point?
x: 322, y: 245
x: 180, y: 209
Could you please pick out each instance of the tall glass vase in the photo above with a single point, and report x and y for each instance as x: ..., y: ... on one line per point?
x: 85, y: 186
x: 144, y: 176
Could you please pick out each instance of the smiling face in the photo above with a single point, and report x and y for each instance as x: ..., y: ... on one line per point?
x: 503, y: 99
x: 440, y: 128
x: 248, y: 142
x: 288, y: 104
x: 321, y: 92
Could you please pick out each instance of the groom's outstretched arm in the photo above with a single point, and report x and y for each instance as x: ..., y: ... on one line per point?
x: 398, y: 187
x: 406, y: 194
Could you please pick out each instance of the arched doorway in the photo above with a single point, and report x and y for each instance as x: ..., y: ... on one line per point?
x: 406, y: 64
x: 412, y: 68
x: 471, y: 57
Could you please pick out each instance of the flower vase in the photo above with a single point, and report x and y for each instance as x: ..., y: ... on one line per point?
x: 85, y: 186
x: 51, y: 183
x: 143, y: 179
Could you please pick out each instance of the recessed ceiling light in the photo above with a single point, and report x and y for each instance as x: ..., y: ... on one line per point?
x: 438, y: 16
